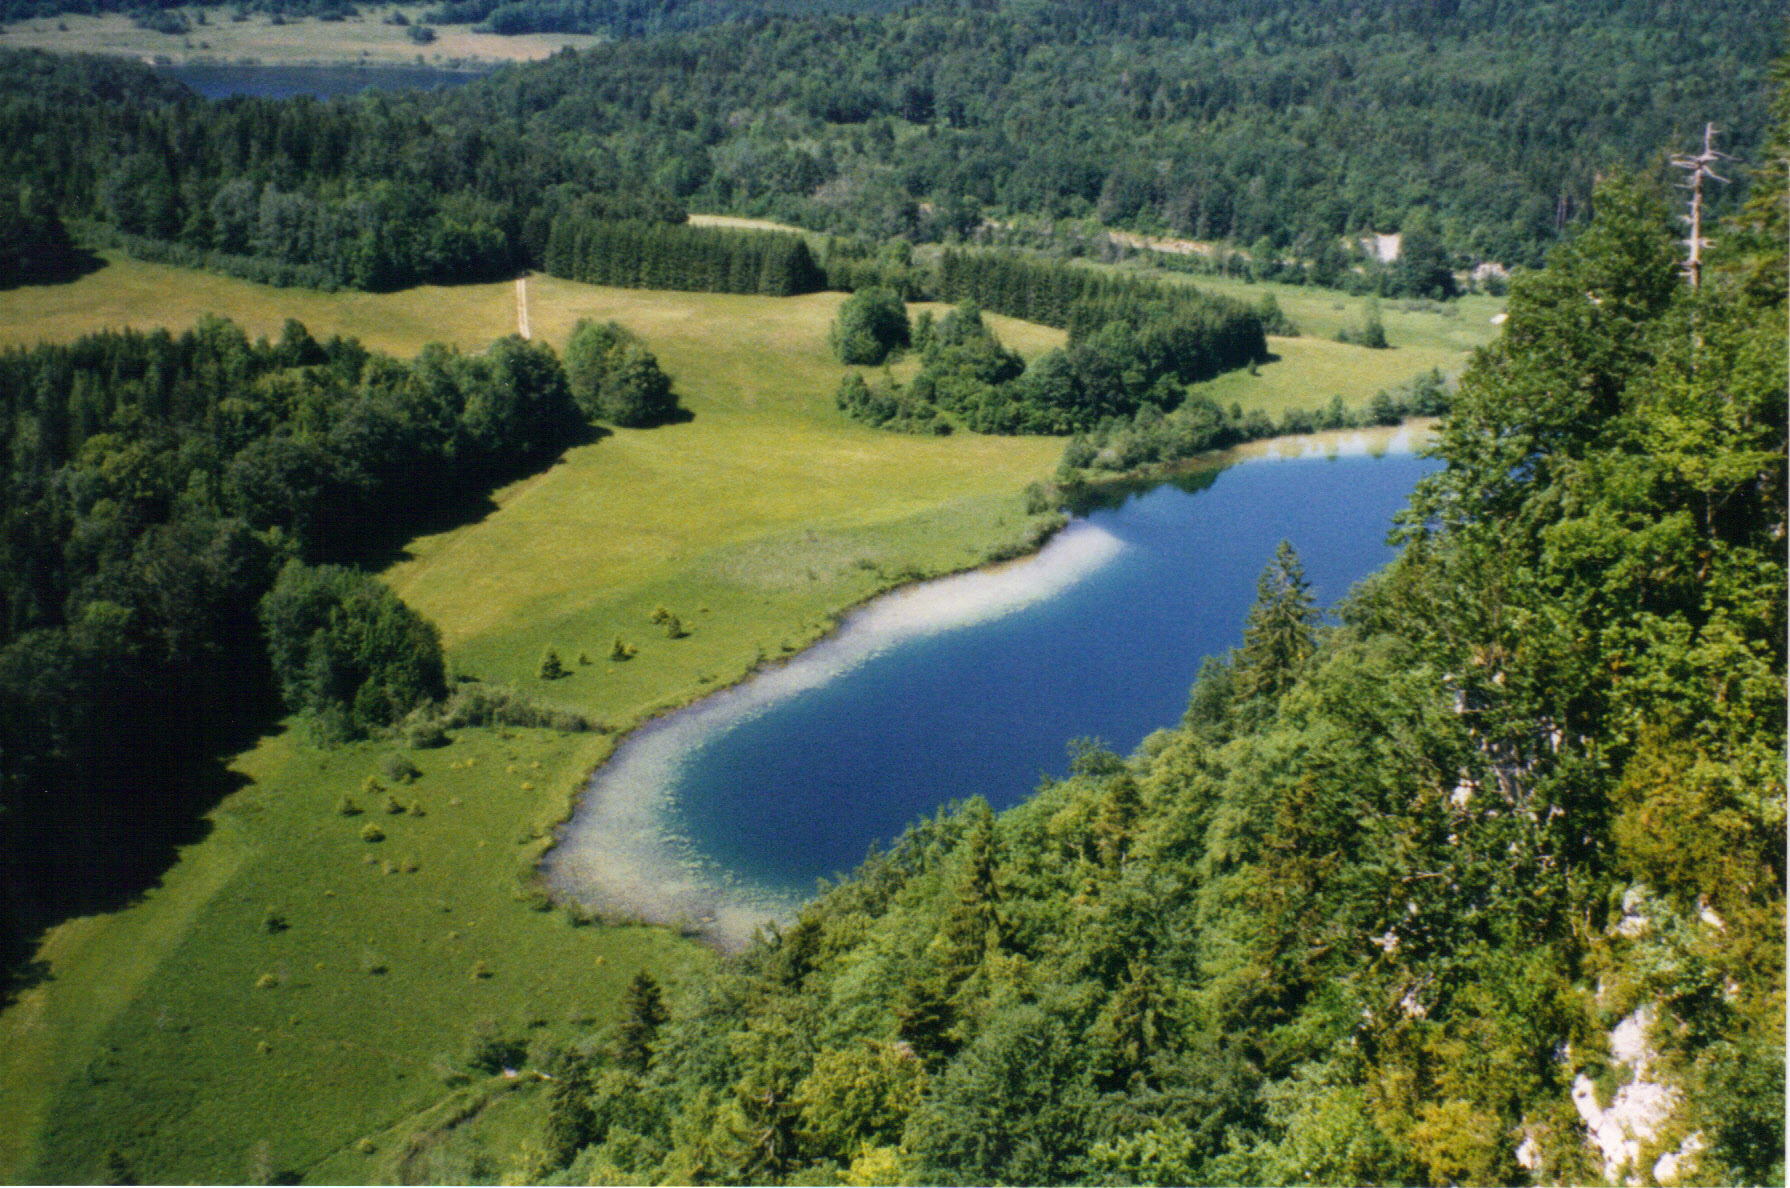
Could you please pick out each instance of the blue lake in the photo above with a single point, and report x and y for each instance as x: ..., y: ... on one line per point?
x: 972, y: 685
x: 220, y: 80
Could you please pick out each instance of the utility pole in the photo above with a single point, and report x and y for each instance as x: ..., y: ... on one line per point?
x: 1699, y: 167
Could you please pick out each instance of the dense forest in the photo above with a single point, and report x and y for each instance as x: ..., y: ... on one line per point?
x: 1284, y: 130
x: 701, y: 259
x: 1283, y: 126
x: 179, y: 514
x: 1375, y: 909
x: 366, y: 194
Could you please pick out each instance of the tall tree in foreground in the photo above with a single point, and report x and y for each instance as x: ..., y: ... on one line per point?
x: 643, y: 1013
x: 1280, y: 634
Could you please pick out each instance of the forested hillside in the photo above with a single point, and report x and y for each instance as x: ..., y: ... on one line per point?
x: 1285, y: 124
x: 1473, y: 128
x: 618, y: 18
x: 1401, y: 900
x: 366, y: 194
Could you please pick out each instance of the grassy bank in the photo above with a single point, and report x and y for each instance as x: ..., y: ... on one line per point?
x: 291, y: 989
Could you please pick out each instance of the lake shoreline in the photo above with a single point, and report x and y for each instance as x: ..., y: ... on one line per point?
x: 700, y: 907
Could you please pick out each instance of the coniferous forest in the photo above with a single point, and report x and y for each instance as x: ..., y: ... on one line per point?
x: 1277, y: 129
x: 1371, y: 912
x: 1375, y: 910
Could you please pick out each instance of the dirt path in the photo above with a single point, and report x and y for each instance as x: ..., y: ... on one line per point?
x: 522, y: 307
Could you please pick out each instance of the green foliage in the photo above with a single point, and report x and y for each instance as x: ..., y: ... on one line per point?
x: 1133, y: 346
x: 346, y: 651
x: 478, y: 704
x: 551, y: 668
x: 399, y: 769
x: 637, y: 255
x: 373, y: 198
x: 1375, y: 904
x: 857, y: 1098
x: 1282, y: 124
x: 643, y: 1014
x: 1371, y: 333
x: 870, y: 325
x: 1274, y: 320
x: 615, y: 378
x: 1421, y: 270
x: 887, y: 406
x: 35, y: 246
x: 571, y: 1122
x: 1280, y: 634
x: 491, y: 1048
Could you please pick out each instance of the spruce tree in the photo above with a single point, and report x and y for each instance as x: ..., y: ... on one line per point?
x: 571, y: 1123
x: 643, y: 1013
x: 1280, y: 633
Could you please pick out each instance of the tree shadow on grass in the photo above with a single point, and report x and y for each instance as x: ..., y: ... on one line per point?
x: 374, y: 540
x: 69, y: 266
x: 677, y: 416
x: 153, y: 788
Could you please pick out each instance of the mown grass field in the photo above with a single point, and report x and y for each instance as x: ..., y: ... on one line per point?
x: 199, y: 1044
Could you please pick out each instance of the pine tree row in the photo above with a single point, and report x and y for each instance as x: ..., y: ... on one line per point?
x: 1084, y: 301
x: 632, y: 255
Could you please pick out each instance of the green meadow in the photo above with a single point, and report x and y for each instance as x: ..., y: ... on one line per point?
x: 1314, y: 367
x: 296, y: 1000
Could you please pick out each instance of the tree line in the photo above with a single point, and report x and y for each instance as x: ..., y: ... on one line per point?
x: 1284, y: 133
x: 371, y: 193
x: 1289, y: 125
x: 1133, y: 345
x: 696, y: 259
x: 1371, y: 911
x: 181, y: 518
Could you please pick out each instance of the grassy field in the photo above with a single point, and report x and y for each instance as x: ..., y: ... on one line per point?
x: 365, y: 40
x: 292, y: 988
x: 758, y: 520
x: 132, y: 294
x: 754, y: 523
x: 196, y: 1042
x: 1314, y: 367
